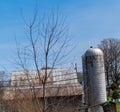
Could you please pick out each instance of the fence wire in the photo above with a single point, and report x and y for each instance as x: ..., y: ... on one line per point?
x: 71, y: 81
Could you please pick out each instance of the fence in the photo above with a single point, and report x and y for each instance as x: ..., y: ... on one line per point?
x: 67, y: 91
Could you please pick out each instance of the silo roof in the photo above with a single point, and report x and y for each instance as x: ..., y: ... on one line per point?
x: 93, y: 52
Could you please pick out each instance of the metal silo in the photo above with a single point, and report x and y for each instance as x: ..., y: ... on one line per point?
x: 94, y: 79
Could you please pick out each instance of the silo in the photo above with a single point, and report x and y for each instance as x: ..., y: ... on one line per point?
x: 94, y: 79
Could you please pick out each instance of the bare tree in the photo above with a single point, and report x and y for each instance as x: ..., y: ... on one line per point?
x: 46, y: 47
x: 111, y: 50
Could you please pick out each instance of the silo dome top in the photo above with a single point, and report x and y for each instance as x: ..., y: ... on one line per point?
x: 93, y: 52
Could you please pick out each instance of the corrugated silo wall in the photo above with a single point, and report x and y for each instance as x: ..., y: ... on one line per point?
x: 85, y: 81
x: 94, y: 81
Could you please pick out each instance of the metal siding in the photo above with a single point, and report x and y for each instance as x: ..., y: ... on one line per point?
x: 94, y: 73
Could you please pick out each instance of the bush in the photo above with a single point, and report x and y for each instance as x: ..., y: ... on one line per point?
x: 114, y: 86
x: 115, y: 95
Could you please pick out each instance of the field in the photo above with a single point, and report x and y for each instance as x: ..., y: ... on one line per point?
x: 118, y: 107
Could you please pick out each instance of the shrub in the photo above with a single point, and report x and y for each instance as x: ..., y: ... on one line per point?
x: 115, y: 95
x: 114, y: 86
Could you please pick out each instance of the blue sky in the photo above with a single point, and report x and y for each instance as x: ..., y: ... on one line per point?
x: 89, y: 21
